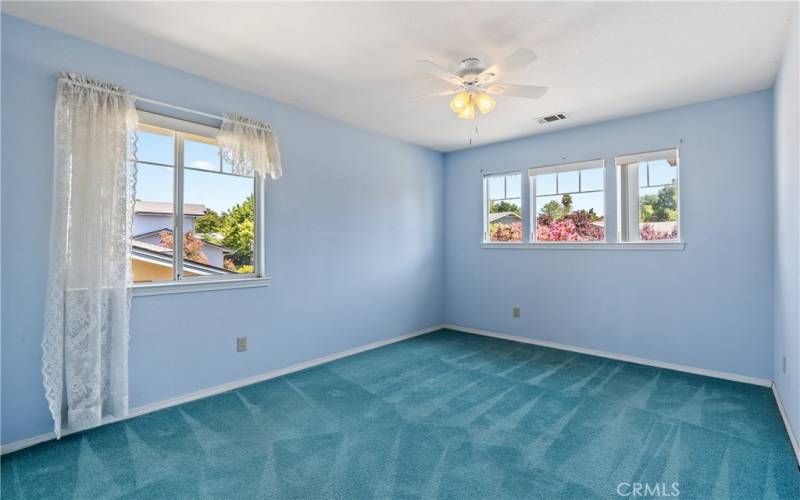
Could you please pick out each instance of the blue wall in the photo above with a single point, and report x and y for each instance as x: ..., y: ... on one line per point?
x: 708, y: 306
x: 787, y: 215
x: 354, y: 237
x: 360, y: 248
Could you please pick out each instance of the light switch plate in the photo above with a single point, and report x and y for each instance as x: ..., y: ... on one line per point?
x: 241, y: 344
x: 515, y: 312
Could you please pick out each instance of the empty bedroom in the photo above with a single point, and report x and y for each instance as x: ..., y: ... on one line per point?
x: 385, y: 250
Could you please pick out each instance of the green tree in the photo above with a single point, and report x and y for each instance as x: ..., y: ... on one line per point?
x: 566, y: 201
x: 238, y: 229
x: 660, y: 207
x: 211, y: 222
x: 552, y: 209
x: 504, y: 206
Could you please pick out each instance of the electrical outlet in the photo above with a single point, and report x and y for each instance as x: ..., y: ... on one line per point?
x: 241, y: 344
x: 515, y: 312
x: 784, y: 364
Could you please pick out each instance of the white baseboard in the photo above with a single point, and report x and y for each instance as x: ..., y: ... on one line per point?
x: 619, y: 357
x: 211, y: 391
x: 792, y: 438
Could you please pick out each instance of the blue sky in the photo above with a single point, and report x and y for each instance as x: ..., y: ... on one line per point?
x: 508, y: 186
x: 201, y: 183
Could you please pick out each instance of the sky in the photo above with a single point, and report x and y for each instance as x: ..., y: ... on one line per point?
x: 507, y: 187
x: 202, y: 181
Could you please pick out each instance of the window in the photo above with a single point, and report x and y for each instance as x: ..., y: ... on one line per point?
x: 503, y: 212
x: 648, y: 205
x: 183, y: 187
x: 567, y: 202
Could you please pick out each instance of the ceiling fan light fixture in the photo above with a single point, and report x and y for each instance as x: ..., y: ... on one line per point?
x: 485, y: 103
x: 460, y: 101
x: 468, y: 113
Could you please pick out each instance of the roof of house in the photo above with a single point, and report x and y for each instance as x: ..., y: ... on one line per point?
x: 149, y: 251
x: 138, y: 237
x: 499, y: 215
x: 165, y: 207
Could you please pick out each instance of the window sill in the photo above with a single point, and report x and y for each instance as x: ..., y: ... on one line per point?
x: 145, y: 289
x: 588, y: 246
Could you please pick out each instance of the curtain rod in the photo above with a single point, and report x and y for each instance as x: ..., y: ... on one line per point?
x: 268, y: 127
x: 179, y: 108
x: 159, y: 103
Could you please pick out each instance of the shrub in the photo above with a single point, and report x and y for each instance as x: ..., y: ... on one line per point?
x: 505, y: 232
x: 648, y: 232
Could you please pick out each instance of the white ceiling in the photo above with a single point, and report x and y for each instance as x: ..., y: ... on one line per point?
x: 355, y: 61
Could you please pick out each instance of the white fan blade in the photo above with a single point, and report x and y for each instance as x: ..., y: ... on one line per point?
x: 519, y: 58
x: 440, y: 93
x: 438, y: 71
x: 527, y: 91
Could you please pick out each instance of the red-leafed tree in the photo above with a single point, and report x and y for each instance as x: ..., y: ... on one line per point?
x: 192, y: 246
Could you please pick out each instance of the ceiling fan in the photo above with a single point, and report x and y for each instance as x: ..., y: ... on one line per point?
x: 473, y: 83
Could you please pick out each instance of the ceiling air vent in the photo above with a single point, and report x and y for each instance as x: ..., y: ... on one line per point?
x: 552, y: 118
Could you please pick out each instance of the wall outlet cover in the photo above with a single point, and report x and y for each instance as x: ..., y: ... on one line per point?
x: 515, y: 313
x: 241, y: 344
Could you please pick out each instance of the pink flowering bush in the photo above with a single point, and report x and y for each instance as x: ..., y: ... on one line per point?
x: 575, y: 226
x: 648, y: 232
x: 505, y: 232
x: 560, y: 230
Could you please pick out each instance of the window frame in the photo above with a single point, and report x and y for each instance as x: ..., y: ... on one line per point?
x: 180, y: 282
x: 487, y: 199
x: 578, y: 166
x: 628, y: 191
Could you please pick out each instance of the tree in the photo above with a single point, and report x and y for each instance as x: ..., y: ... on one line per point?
x: 660, y: 207
x: 566, y: 201
x: 238, y: 229
x: 505, y: 206
x: 192, y: 246
x: 553, y: 210
x: 211, y: 222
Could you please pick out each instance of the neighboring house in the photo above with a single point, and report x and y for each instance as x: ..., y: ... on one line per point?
x: 151, y: 260
x: 213, y: 252
x: 504, y: 218
x: 155, y: 215
x: 154, y: 263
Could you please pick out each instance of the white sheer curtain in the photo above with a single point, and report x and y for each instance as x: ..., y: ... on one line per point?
x: 85, y: 346
x: 250, y: 146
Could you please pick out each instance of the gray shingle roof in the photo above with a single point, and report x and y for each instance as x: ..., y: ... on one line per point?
x: 165, y: 207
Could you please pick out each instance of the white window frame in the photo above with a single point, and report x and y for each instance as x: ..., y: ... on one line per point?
x: 554, y: 169
x: 486, y: 200
x: 628, y: 195
x: 181, y: 283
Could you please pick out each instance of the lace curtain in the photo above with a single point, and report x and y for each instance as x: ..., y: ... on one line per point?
x: 85, y: 346
x: 250, y: 146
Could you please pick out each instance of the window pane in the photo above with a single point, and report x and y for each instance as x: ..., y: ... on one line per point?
x: 642, y: 173
x: 592, y: 180
x: 658, y: 213
x: 201, y: 153
x: 219, y: 223
x: 546, y: 184
x: 505, y: 208
x: 662, y: 173
x: 513, y: 186
x: 156, y: 145
x: 572, y: 217
x: 568, y: 182
x: 497, y: 187
x: 153, y: 224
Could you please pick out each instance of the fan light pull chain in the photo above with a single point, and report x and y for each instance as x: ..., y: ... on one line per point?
x: 470, y: 133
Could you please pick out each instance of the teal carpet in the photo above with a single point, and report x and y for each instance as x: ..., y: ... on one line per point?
x: 444, y: 415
